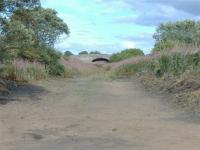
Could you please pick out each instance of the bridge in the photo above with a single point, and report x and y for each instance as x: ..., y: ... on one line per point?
x: 93, y: 58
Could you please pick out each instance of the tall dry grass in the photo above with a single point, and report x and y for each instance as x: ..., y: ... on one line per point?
x: 75, y: 66
x: 175, y: 61
x: 23, y: 70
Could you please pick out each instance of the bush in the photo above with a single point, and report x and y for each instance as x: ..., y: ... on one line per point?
x: 5, y: 57
x: 161, y: 46
x: 126, y: 54
x: 57, y: 70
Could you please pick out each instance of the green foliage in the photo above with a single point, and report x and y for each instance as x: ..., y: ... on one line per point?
x: 168, y: 44
x: 30, y: 54
x: 68, y: 53
x: 29, y: 32
x: 18, y: 35
x: 7, y: 7
x: 83, y: 53
x: 45, y: 24
x: 95, y: 52
x: 126, y: 54
x: 57, y: 70
x: 5, y: 56
x: 170, y: 34
x: 53, y: 56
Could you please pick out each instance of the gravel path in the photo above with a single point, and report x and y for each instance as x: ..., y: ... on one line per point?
x: 89, y: 114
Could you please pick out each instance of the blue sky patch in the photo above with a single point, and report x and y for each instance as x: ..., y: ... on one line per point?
x: 114, y: 25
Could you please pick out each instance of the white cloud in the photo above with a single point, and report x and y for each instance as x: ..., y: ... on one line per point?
x: 129, y: 44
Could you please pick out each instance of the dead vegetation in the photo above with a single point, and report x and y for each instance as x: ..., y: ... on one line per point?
x: 174, y: 74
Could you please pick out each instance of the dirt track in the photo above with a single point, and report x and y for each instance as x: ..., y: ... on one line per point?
x: 88, y: 114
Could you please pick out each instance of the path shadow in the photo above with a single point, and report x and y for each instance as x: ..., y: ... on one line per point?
x: 22, y: 92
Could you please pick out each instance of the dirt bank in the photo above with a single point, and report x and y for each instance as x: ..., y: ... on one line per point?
x: 184, y: 90
x: 88, y: 113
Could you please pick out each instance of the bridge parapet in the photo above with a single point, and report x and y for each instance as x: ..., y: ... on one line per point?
x: 90, y: 57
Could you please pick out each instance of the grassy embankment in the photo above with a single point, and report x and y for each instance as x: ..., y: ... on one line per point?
x: 20, y: 71
x: 24, y: 71
x: 175, y: 73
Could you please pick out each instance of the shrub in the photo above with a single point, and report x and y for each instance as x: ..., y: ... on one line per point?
x: 169, y: 44
x: 57, y: 70
x: 126, y: 54
x: 5, y: 57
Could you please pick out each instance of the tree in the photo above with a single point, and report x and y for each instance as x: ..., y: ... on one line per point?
x: 31, y: 31
x: 83, y: 53
x: 17, y: 39
x: 7, y: 7
x: 17, y: 35
x: 68, y: 53
x: 45, y: 23
x: 170, y: 34
x: 95, y: 52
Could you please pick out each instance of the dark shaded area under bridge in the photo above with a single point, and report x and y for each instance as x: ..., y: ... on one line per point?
x: 101, y: 60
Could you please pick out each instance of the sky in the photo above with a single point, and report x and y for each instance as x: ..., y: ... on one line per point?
x: 110, y: 26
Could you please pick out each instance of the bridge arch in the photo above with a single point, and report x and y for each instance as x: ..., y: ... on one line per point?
x: 101, y: 59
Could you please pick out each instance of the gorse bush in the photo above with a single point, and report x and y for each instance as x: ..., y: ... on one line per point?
x: 126, y: 54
